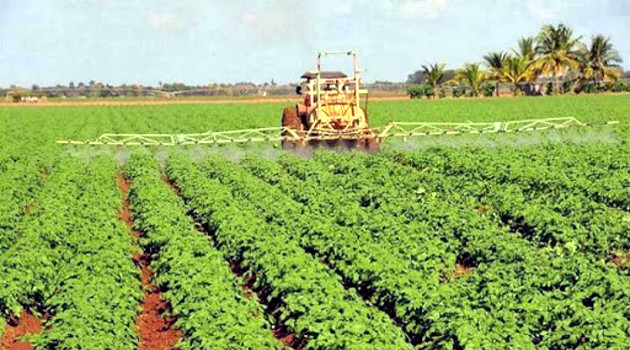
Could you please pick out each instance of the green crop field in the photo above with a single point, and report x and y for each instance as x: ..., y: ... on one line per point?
x: 517, y: 241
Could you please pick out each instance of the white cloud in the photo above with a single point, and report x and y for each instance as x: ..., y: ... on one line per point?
x: 418, y: 8
x: 163, y: 21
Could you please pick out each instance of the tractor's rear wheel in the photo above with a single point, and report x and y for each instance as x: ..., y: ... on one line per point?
x: 291, y: 120
x: 372, y: 145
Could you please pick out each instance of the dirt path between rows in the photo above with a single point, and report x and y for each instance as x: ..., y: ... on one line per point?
x: 27, y: 324
x: 154, y: 331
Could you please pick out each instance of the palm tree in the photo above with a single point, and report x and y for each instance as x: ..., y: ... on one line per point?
x: 557, y: 52
x: 473, y: 75
x: 517, y: 72
x: 525, y: 53
x: 434, y: 74
x: 600, y: 62
x: 526, y: 48
x: 496, y: 62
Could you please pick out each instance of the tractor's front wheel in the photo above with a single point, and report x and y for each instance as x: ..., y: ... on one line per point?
x: 291, y: 121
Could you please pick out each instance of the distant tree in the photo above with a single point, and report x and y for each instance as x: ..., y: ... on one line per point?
x: 517, y: 72
x: 557, y: 51
x: 71, y: 85
x: 497, y: 62
x: 35, y: 87
x: 92, y: 83
x: 600, y: 62
x: 526, y: 47
x: 472, y: 75
x: 434, y: 75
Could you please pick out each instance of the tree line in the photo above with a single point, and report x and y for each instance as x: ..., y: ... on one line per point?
x: 553, y: 62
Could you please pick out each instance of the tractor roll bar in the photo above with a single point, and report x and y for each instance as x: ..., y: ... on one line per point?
x: 357, y: 73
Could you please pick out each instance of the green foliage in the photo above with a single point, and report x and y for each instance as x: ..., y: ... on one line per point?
x: 434, y: 75
x: 569, y: 86
x: 590, y: 88
x: 419, y: 91
x: 488, y: 89
x: 20, y: 181
x: 211, y: 309
x: 620, y: 86
x: 568, y: 249
x: 526, y: 48
x: 600, y: 61
x: 414, y: 92
x: 311, y: 299
x: 554, y: 53
x: 473, y: 76
x: 442, y: 92
x: 540, y: 223
x: 459, y: 91
x: 63, y: 259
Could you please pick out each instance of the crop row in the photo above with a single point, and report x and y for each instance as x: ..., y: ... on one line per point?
x: 203, y: 293
x: 552, y: 218
x: 20, y: 180
x: 507, y: 287
x: 61, y: 264
x: 307, y: 297
x: 418, y: 289
x: 372, y: 268
x: 386, y: 198
x: 542, y: 203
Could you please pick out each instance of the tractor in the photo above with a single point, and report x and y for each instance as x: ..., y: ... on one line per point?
x: 331, y: 114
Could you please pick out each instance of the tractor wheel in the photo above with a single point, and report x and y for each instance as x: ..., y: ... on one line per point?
x: 291, y: 120
x: 372, y: 145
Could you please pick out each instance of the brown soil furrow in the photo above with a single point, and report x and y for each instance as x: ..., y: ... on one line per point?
x: 620, y: 259
x: 155, y: 332
x: 15, y: 329
x: 28, y: 208
x: 462, y: 270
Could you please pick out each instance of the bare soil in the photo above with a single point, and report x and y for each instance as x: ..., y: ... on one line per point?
x: 155, y: 331
x: 483, y: 208
x: 621, y: 260
x: 461, y: 270
x: 29, y: 207
x: 26, y: 324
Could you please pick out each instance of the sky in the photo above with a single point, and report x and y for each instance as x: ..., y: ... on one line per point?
x: 48, y: 42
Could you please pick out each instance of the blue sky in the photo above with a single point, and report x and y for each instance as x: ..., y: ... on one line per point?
x: 203, y: 41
